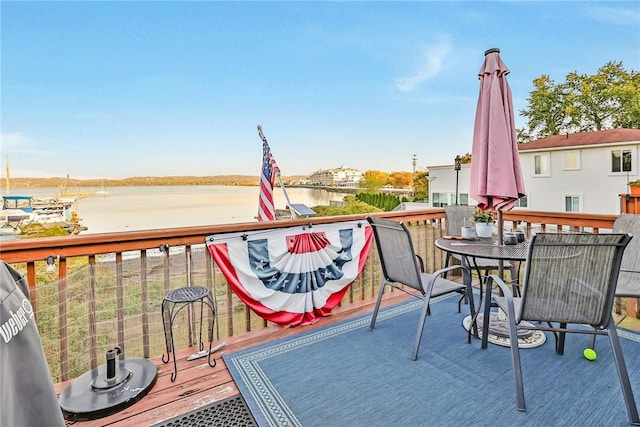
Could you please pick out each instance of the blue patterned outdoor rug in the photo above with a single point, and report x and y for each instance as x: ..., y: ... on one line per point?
x: 347, y: 375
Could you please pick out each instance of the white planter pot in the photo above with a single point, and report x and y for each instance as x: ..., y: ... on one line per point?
x: 484, y: 229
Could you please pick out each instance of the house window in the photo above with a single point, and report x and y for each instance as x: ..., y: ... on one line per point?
x: 443, y: 199
x: 572, y: 203
x: 439, y: 200
x: 620, y: 161
x: 572, y: 160
x: 522, y: 202
x: 542, y: 164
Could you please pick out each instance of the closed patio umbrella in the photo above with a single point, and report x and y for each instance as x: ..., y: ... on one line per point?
x: 496, y: 177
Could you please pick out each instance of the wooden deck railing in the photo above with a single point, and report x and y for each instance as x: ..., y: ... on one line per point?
x: 107, y: 288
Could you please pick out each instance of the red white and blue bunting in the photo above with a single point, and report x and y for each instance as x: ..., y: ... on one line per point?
x: 293, y: 276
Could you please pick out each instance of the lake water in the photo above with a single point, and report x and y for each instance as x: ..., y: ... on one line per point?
x: 146, y: 208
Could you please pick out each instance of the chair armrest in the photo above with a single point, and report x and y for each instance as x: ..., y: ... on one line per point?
x: 466, y: 277
x: 465, y: 270
x: 508, y: 296
x: 504, y: 288
x: 506, y: 292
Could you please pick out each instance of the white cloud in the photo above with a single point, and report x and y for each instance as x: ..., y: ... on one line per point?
x: 13, y: 140
x: 17, y: 143
x: 431, y: 65
x: 612, y: 15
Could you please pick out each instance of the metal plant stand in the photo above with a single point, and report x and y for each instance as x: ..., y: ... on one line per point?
x: 172, y: 304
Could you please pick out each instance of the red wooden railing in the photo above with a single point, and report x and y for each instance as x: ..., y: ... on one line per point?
x: 630, y: 203
x: 107, y: 288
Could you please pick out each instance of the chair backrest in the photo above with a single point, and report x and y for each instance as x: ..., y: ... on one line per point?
x: 397, y: 255
x: 571, y: 278
x: 458, y: 217
x: 629, y: 223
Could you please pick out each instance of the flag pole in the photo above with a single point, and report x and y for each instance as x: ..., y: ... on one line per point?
x: 284, y: 190
x: 286, y: 196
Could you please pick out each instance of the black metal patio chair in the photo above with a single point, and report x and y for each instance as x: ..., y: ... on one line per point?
x: 401, y: 269
x: 569, y: 280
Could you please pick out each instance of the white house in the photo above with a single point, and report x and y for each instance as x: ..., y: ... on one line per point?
x: 442, y: 185
x: 583, y: 172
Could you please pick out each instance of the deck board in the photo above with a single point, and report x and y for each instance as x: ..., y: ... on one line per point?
x: 198, y: 384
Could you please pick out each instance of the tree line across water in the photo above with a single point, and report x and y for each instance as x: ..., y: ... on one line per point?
x: 140, y: 181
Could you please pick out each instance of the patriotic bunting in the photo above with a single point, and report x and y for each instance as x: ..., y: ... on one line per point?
x: 296, y: 275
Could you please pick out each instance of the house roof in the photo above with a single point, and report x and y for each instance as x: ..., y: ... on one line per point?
x: 611, y: 136
x: 412, y: 206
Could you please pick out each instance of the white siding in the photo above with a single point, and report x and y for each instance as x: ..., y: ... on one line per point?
x: 598, y: 188
x: 442, y: 179
x: 593, y: 182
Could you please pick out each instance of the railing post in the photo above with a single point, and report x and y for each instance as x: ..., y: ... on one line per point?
x: 62, y: 319
x: 229, y: 303
x: 144, y: 304
x: 167, y: 277
x: 191, y: 316
x: 120, y: 303
x: 93, y: 351
x: 33, y: 291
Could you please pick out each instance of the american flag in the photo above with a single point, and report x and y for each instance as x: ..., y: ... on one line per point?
x: 266, y: 211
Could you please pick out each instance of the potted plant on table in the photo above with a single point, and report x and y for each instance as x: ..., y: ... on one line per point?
x: 634, y: 187
x: 483, y: 220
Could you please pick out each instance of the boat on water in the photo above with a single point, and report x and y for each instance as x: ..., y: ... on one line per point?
x: 68, y: 189
x: 26, y: 215
x: 102, y: 192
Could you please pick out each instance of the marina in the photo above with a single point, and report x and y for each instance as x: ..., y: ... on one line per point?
x: 26, y: 215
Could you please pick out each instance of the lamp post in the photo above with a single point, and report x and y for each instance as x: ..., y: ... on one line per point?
x: 415, y: 159
x: 457, y: 167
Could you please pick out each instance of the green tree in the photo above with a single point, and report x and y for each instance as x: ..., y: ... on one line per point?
x: 351, y: 207
x: 421, y: 186
x: 606, y: 100
x: 383, y: 201
x: 547, y: 110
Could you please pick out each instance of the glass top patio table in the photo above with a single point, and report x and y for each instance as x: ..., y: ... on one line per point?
x: 491, y: 249
x: 485, y: 248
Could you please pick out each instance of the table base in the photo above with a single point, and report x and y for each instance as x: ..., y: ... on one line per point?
x: 499, y: 332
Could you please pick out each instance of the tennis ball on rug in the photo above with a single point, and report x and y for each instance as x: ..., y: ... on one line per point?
x: 590, y: 354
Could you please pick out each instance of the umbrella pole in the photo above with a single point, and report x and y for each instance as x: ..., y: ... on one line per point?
x: 500, y: 242
x: 501, y: 314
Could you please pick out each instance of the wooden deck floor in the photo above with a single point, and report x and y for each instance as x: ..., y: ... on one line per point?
x: 197, y: 384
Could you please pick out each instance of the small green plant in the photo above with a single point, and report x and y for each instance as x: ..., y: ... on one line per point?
x: 635, y: 183
x: 480, y: 215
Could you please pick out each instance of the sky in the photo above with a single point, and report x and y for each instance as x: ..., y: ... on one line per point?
x: 117, y: 89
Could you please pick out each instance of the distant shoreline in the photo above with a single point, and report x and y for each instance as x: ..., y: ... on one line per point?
x: 82, y: 185
x: 140, y: 181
